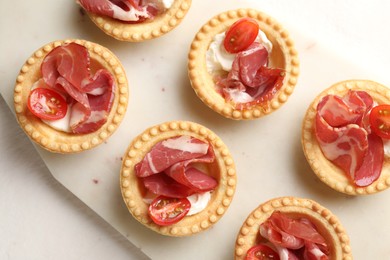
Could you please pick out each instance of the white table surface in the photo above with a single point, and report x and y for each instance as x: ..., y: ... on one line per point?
x: 40, y: 219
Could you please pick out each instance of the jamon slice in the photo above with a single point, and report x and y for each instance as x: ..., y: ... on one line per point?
x: 100, y: 106
x: 250, y: 81
x: 168, y: 169
x: 168, y: 152
x: 192, y: 178
x: 343, y: 134
x: 290, y: 233
x: 280, y: 238
x: 286, y: 254
x: 124, y: 10
x: 351, y: 109
x: 66, y: 69
x: 313, y: 252
x: 372, y: 163
x: 70, y: 61
x: 184, y: 173
x: 346, y: 147
x: 161, y: 184
x: 294, y: 238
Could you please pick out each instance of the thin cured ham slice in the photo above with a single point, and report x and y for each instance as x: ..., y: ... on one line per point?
x: 286, y: 254
x: 191, y: 177
x: 351, y: 109
x: 294, y: 238
x: 100, y: 106
x: 66, y: 69
x: 298, y: 228
x: 168, y: 152
x: 100, y: 90
x: 290, y: 233
x: 249, y: 62
x: 346, y: 147
x: 343, y: 134
x: 313, y: 252
x: 162, y: 184
x: 250, y: 81
x: 280, y: 238
x: 168, y: 169
x: 124, y: 10
x: 372, y: 162
x: 73, y: 92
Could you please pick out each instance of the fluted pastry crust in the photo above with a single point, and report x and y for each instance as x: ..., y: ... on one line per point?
x: 58, y: 141
x: 284, y: 56
x: 325, y: 169
x: 222, y: 169
x: 138, y: 32
x: 326, y: 223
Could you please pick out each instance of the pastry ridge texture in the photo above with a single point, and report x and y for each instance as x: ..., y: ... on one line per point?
x: 223, y: 170
x: 283, y: 55
x: 147, y: 30
x: 327, y: 224
x: 58, y: 141
x: 325, y: 170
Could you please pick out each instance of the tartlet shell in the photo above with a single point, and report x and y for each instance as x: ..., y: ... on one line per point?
x: 284, y: 54
x: 326, y: 223
x: 220, y: 199
x: 325, y: 170
x: 147, y: 30
x: 54, y: 140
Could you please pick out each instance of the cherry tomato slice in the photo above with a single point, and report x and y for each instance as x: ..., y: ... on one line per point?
x: 241, y: 35
x: 262, y: 252
x: 166, y: 211
x: 380, y: 121
x: 47, y: 104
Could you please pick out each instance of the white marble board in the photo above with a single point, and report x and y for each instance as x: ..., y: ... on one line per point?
x: 269, y: 159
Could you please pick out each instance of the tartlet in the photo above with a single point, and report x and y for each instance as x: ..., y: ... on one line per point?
x: 58, y: 141
x: 326, y: 223
x: 283, y: 56
x: 147, y: 30
x: 325, y: 170
x: 222, y: 169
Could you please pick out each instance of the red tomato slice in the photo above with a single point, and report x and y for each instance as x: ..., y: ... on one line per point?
x: 166, y: 211
x: 241, y: 35
x: 261, y: 252
x: 47, y: 104
x: 380, y: 121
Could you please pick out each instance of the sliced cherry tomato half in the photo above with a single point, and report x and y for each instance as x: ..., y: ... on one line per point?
x: 262, y: 252
x: 166, y: 211
x: 47, y: 104
x: 380, y: 121
x: 241, y: 35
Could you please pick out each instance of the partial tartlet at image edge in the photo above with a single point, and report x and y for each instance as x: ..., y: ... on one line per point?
x: 145, y: 30
x: 325, y: 169
x: 283, y: 56
x: 327, y: 224
x: 55, y: 140
x: 222, y: 169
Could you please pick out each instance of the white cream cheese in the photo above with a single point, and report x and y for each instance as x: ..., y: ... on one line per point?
x: 61, y: 124
x: 386, y: 147
x: 198, y: 202
x: 167, y: 3
x: 217, y: 58
x: 239, y: 96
